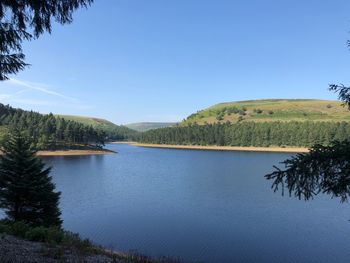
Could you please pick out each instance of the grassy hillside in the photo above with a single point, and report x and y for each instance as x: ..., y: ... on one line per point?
x: 115, y: 131
x: 95, y: 122
x: 271, y: 110
x: 146, y: 126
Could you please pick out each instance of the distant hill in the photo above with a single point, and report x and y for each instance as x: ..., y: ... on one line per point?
x: 146, y: 126
x: 271, y: 110
x: 117, y: 132
x: 259, y: 123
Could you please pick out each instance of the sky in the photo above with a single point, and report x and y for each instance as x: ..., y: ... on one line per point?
x: 161, y: 60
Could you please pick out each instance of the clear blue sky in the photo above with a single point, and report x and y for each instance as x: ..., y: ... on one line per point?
x: 161, y: 60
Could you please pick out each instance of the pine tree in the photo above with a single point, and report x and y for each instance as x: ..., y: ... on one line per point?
x: 22, y: 20
x: 26, y: 190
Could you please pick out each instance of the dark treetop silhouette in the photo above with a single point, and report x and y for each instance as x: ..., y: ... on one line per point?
x: 325, y: 169
x: 26, y: 191
x: 26, y: 20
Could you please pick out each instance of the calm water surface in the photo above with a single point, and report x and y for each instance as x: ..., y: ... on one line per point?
x: 202, y: 206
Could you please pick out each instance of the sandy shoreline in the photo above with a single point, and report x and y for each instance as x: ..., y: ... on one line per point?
x: 73, y: 152
x: 226, y: 148
x: 121, y: 142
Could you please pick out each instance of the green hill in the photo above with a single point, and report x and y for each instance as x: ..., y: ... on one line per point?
x: 259, y: 123
x: 49, y: 132
x: 117, y: 132
x: 271, y: 110
x: 146, y: 126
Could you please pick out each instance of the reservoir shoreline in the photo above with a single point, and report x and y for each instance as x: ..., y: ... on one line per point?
x: 82, y: 152
x: 72, y: 152
x: 221, y: 148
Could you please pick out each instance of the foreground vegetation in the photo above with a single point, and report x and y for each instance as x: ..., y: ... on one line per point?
x: 52, y: 244
x: 325, y: 169
x: 51, y: 235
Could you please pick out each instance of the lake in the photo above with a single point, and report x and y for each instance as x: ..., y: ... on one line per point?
x: 206, y: 206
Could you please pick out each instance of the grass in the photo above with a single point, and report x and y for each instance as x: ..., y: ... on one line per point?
x: 95, y: 122
x: 271, y: 110
x: 105, y: 125
x: 49, y: 235
x: 59, y: 242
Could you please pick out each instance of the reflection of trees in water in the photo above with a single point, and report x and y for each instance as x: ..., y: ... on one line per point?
x: 325, y: 169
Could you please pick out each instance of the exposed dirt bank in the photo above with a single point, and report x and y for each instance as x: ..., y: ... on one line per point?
x: 227, y: 148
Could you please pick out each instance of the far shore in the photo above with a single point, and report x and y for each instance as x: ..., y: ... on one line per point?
x: 121, y: 142
x: 226, y: 148
x: 73, y: 152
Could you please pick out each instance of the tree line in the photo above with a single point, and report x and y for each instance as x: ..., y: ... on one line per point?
x: 49, y: 131
x: 116, y: 132
x: 302, y: 134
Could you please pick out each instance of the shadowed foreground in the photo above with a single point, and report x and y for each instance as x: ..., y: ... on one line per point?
x: 15, y: 250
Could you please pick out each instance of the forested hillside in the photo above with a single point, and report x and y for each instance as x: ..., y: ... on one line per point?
x: 251, y: 134
x: 259, y: 123
x: 48, y: 131
x: 113, y: 131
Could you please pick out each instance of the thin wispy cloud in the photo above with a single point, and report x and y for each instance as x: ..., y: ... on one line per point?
x: 20, y: 92
x: 4, y: 97
x: 34, y: 102
x: 39, y: 87
x: 12, y: 95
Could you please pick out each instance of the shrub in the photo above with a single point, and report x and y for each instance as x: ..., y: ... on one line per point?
x: 231, y: 110
x: 219, y: 117
x: 55, y: 235
x: 37, y: 234
x: 74, y: 240
x: 51, y: 235
x: 242, y: 113
x: 18, y: 229
x: 4, y: 229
